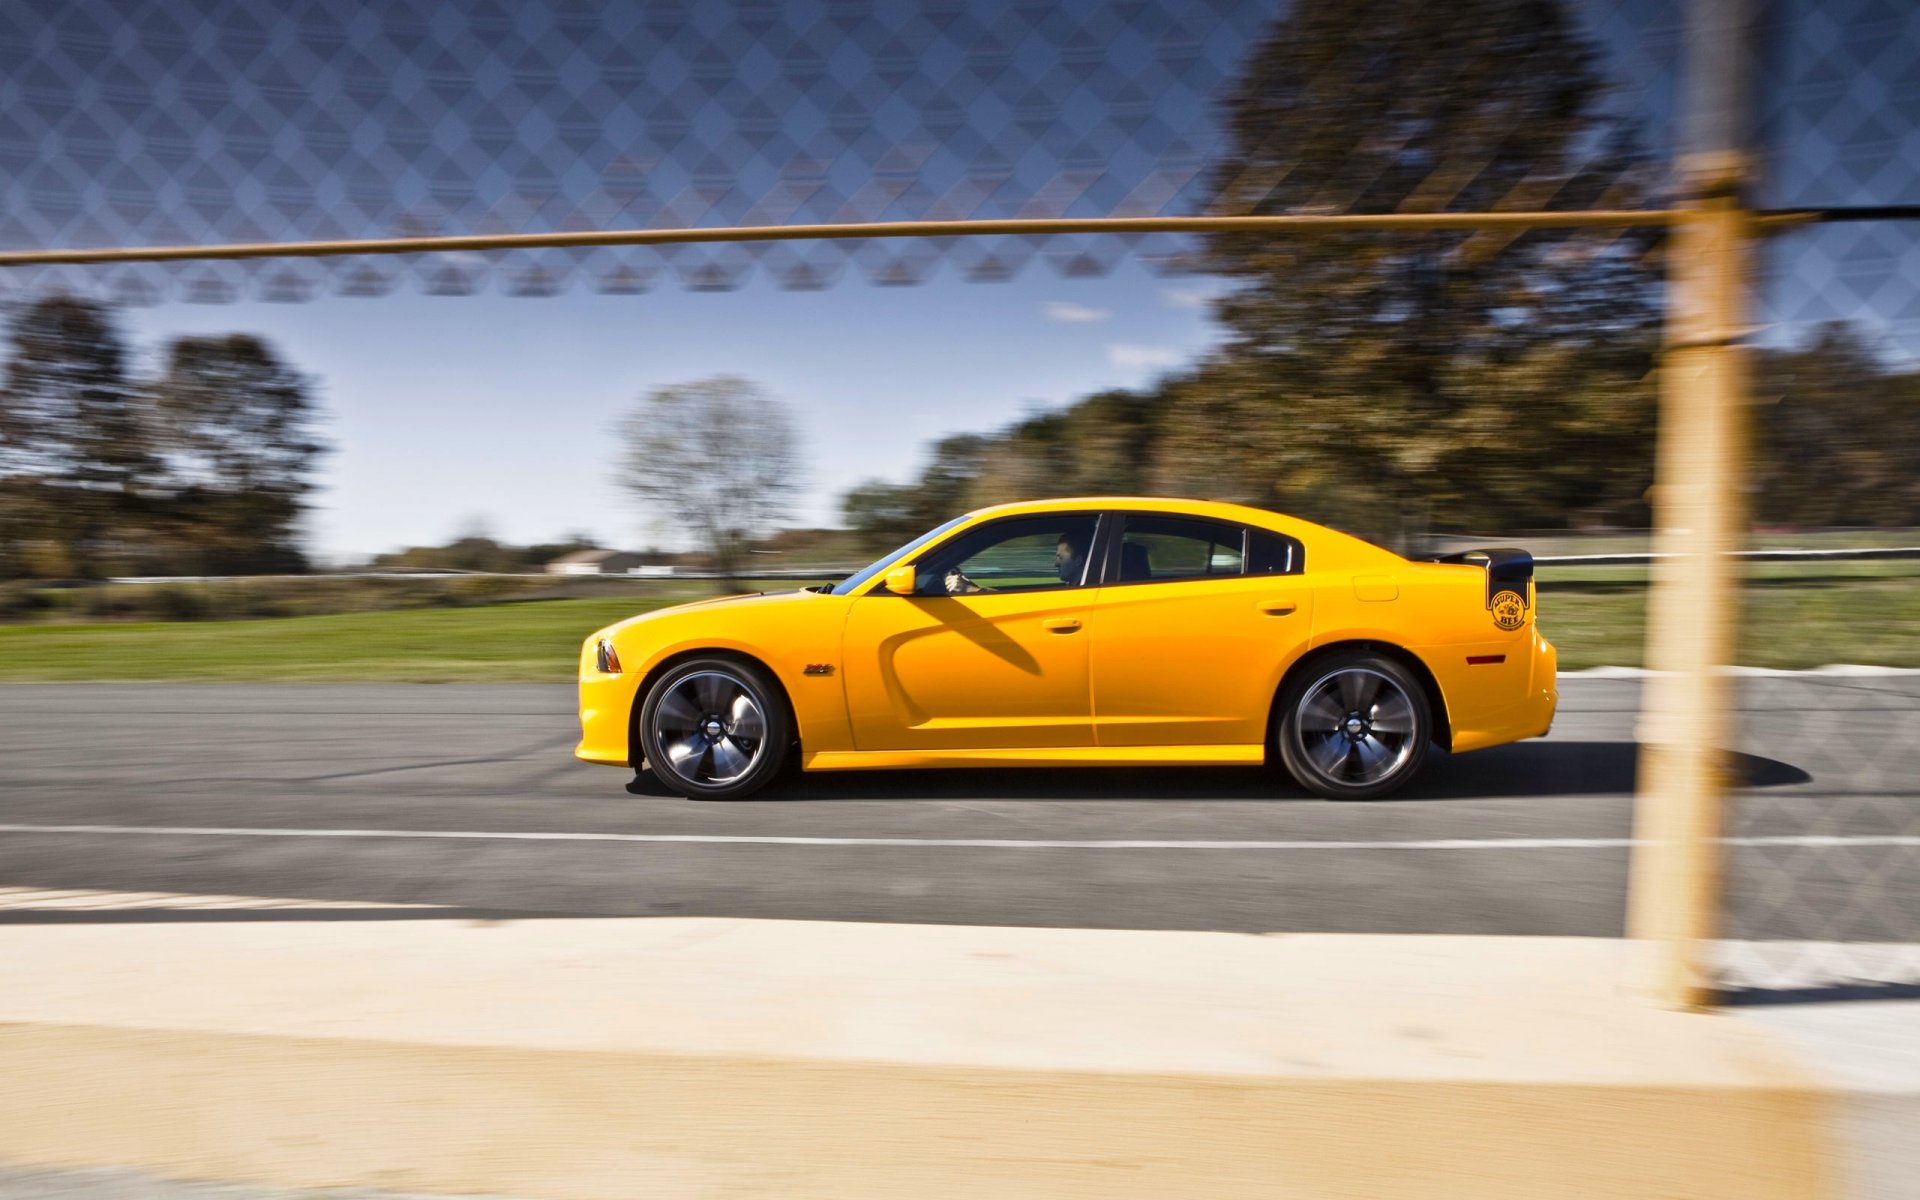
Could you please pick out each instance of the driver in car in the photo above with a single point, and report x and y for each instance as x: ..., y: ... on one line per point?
x: 1069, y: 560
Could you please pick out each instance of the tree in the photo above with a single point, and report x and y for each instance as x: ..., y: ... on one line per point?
x: 1838, y: 435
x: 883, y: 514
x: 241, y: 449
x: 1369, y: 374
x: 717, y: 458
x: 204, y: 469
x: 886, y: 514
x: 77, y: 452
x: 1100, y: 445
x: 946, y: 487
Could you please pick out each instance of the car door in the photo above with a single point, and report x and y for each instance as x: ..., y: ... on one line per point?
x: 1194, y: 625
x: 991, y: 652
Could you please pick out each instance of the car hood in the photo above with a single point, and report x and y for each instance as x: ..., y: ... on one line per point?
x: 736, y: 601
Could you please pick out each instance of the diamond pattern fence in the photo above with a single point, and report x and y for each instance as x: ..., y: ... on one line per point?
x: 152, y: 122
x: 1823, y: 872
x: 179, y: 121
x: 155, y: 122
x: 1823, y: 867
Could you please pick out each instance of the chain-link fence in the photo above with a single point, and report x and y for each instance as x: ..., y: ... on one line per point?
x: 183, y: 122
x: 1823, y: 873
x: 175, y: 122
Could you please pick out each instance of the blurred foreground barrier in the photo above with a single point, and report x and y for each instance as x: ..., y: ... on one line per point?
x: 1700, y: 517
x: 597, y: 1059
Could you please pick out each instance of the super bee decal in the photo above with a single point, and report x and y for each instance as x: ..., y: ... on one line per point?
x: 1509, y: 610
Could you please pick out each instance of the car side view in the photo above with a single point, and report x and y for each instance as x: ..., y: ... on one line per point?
x: 1080, y: 632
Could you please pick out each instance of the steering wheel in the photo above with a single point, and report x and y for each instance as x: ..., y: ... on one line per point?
x: 957, y: 584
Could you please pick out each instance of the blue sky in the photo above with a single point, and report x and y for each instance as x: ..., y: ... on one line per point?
x: 497, y: 409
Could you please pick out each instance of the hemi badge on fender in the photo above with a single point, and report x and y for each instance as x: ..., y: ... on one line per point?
x: 818, y: 669
x: 1480, y: 660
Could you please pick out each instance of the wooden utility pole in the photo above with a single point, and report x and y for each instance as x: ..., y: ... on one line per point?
x: 1700, y: 517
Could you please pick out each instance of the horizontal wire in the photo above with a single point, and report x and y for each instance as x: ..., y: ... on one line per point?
x: 1289, y: 223
x: 1776, y: 218
x: 1295, y: 223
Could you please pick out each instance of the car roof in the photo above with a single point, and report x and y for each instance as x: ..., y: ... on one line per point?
x: 1219, y: 510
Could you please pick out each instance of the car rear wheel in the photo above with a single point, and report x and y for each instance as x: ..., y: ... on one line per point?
x: 715, y: 729
x: 1354, y: 727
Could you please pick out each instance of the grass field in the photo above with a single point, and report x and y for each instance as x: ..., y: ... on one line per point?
x: 527, y: 640
x: 1794, y: 614
x: 1798, y: 615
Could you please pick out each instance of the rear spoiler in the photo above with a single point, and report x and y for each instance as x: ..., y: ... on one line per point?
x: 1508, y: 569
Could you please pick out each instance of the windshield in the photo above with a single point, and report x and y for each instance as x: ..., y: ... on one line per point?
x: 855, y: 581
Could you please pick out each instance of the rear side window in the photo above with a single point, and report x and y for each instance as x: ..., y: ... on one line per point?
x: 1155, y: 549
x: 1270, y: 553
x: 1152, y: 549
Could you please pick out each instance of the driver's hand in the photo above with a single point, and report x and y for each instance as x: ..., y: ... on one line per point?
x: 958, y: 584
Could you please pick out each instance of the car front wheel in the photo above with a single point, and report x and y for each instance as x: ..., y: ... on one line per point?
x: 715, y: 729
x: 1354, y: 727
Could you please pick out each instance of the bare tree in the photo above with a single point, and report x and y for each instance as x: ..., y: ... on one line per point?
x: 718, y: 458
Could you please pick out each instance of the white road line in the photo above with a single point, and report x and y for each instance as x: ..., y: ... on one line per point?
x: 23, y: 899
x: 1829, y: 671
x: 706, y: 839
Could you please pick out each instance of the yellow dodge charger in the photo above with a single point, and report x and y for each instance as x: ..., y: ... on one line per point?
x: 1092, y: 631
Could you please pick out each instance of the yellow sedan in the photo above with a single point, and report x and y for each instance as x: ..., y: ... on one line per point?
x: 1091, y: 631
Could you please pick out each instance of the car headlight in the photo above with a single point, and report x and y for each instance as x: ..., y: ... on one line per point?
x: 605, y: 658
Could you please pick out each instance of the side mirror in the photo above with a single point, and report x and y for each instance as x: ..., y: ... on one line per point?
x: 900, y: 580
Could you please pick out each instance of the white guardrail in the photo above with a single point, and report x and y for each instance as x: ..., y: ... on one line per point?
x: 1639, y: 560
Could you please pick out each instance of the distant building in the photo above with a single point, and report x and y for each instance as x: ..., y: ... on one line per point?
x: 594, y: 562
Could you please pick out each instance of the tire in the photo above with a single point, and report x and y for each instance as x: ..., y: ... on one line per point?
x: 1354, y: 726
x: 715, y: 729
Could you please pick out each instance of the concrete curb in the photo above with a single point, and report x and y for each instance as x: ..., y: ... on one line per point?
x: 598, y: 1059
x: 1870, y: 1052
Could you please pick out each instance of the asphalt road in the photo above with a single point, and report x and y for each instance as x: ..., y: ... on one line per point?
x: 371, y: 793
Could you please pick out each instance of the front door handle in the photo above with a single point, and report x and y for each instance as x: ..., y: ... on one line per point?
x: 1277, y: 608
x: 1061, y: 624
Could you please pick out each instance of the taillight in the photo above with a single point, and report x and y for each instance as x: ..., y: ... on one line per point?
x: 606, y: 658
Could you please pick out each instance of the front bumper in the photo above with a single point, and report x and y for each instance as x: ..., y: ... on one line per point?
x: 606, y: 716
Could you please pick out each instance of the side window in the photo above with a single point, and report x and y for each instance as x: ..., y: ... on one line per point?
x: 1021, y: 554
x: 1270, y: 553
x: 1153, y: 549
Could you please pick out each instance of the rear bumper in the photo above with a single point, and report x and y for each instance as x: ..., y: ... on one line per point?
x: 1530, y: 717
x: 1545, y: 684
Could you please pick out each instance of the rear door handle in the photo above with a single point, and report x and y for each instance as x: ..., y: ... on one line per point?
x: 1277, y: 608
x: 1061, y: 624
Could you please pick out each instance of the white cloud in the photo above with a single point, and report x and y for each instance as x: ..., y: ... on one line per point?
x: 1175, y: 297
x: 1076, y: 314
x: 1126, y: 354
